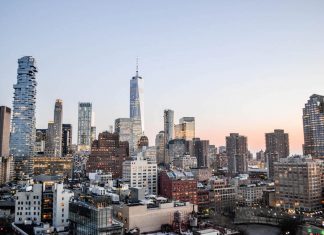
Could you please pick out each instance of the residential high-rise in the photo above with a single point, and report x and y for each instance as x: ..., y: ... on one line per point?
x: 66, y: 139
x: 277, y: 146
x: 237, y: 152
x: 260, y: 156
x: 313, y: 123
x: 159, y: 143
x: 168, y: 124
x: 185, y: 129
x: 137, y: 100
x: 277, y: 142
x: 49, y: 144
x: 5, y: 115
x: 201, y: 152
x: 23, y: 131
x: 298, y: 183
x: 58, y: 116
x: 93, y: 128
x: 168, y: 131
x: 84, y: 126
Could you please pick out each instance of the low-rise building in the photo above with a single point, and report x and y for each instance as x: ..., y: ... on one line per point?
x: 250, y: 195
x: 53, y: 166
x: 201, y: 173
x: 298, y: 183
x: 93, y: 216
x: 28, y: 204
x: 177, y: 185
x: 185, y: 162
x: 149, y: 218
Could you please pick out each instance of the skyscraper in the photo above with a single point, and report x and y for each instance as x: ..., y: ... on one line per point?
x: 168, y: 125
x: 137, y: 99
x: 201, y: 152
x: 66, y: 139
x: 84, y: 126
x: 168, y: 131
x: 185, y: 129
x: 23, y: 132
x: 58, y: 114
x: 277, y: 146
x: 313, y: 123
x: 49, y: 144
x: 237, y: 152
x: 278, y: 142
x: 159, y: 143
x: 123, y: 126
x: 5, y: 115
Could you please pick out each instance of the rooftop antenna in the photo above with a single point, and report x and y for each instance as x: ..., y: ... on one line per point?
x: 136, y: 66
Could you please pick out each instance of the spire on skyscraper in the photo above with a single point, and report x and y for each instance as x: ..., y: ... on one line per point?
x: 136, y: 66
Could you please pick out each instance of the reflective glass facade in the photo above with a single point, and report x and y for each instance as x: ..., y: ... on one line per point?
x: 87, y: 219
x: 23, y: 133
x: 313, y: 122
x: 84, y: 126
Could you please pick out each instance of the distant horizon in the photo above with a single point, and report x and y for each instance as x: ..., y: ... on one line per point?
x: 244, y: 67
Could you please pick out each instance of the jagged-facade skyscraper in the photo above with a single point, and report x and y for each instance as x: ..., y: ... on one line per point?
x: 23, y: 133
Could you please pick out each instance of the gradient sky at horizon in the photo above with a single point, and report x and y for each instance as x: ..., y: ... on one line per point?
x: 237, y: 66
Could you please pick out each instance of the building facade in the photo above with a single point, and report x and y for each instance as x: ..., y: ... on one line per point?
x: 136, y: 104
x: 277, y: 142
x: 141, y: 174
x: 58, y: 116
x: 61, y: 198
x: 93, y: 217
x: 176, y: 185
x: 168, y: 132
x: 298, y: 183
x: 23, y: 131
x: 40, y: 144
x: 201, y: 152
x: 66, y: 139
x: 185, y: 129
x: 313, y: 123
x: 237, y: 152
x: 108, y: 154
x: 84, y: 126
x: 61, y: 166
x: 5, y: 115
x: 28, y: 204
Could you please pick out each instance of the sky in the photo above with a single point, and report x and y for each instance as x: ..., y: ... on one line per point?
x: 237, y: 66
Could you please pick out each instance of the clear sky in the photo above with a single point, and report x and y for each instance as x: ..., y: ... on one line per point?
x: 237, y: 66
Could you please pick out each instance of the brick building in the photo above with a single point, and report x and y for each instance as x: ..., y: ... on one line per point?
x: 108, y: 154
x: 178, y: 185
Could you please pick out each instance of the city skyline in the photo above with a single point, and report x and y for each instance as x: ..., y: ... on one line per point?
x: 249, y: 86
